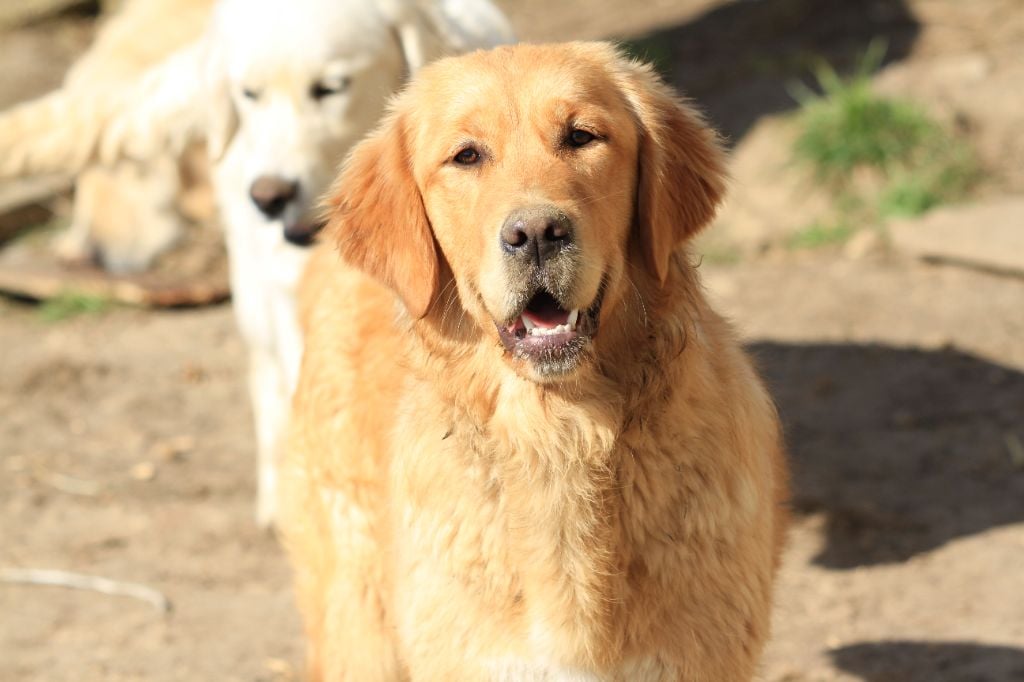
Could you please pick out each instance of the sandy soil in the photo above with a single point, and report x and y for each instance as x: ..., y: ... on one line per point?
x: 126, y: 446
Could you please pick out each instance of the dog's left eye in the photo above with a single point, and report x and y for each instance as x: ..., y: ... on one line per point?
x: 321, y: 89
x: 467, y: 157
x: 578, y: 137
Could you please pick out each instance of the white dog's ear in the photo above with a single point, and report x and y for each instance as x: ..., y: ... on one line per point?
x: 221, y: 114
x: 681, y: 166
x: 377, y: 218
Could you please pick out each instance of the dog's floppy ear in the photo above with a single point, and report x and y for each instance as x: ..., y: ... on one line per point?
x: 376, y: 214
x: 221, y: 114
x: 681, y: 167
x: 222, y: 121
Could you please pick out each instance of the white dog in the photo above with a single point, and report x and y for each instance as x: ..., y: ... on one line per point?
x: 280, y: 92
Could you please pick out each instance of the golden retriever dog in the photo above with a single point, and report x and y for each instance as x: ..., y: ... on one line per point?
x: 523, y: 446
x: 279, y: 92
x: 128, y: 213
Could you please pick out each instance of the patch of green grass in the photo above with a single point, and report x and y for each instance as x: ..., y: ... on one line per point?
x: 852, y: 127
x: 72, y: 304
x: 817, y: 235
x: 945, y: 177
x: 849, y: 133
x: 908, y: 197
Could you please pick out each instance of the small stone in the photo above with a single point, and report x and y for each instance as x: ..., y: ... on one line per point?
x: 280, y: 668
x: 173, y: 449
x: 144, y: 471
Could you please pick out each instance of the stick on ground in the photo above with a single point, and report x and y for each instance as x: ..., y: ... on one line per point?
x: 79, y: 581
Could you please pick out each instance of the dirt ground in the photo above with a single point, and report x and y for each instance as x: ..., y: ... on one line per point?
x: 126, y: 447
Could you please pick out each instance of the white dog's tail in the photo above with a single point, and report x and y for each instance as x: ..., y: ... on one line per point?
x: 471, y: 24
x: 429, y: 29
x: 71, y: 128
x: 53, y: 134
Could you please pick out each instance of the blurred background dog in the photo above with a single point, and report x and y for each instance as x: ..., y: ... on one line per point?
x: 278, y: 93
x: 126, y: 213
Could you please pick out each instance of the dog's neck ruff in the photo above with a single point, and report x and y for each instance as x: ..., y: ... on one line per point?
x: 557, y: 452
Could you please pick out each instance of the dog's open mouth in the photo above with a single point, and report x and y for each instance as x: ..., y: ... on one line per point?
x: 548, y: 335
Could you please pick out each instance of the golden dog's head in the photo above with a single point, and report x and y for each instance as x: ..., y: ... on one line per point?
x: 537, y: 181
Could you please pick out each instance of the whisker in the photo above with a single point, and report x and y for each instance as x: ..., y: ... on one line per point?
x: 598, y: 197
x: 640, y: 299
x: 452, y: 295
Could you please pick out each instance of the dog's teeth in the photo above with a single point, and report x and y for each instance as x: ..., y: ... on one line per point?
x: 533, y: 329
x: 548, y: 331
x: 573, y: 316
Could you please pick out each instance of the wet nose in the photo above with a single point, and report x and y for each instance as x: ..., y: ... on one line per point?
x: 537, y: 233
x: 271, y: 194
x: 302, y: 233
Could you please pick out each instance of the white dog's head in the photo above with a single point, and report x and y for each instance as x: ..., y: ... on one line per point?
x: 282, y: 90
x: 293, y: 86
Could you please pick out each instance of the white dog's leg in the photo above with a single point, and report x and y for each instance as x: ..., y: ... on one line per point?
x: 75, y: 244
x: 269, y: 393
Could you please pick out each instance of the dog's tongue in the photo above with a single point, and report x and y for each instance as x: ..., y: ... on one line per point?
x: 544, y: 311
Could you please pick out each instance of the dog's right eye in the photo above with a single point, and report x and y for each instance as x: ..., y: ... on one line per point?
x: 578, y: 137
x: 467, y: 157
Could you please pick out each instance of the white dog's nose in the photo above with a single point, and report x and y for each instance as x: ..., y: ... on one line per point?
x: 271, y: 194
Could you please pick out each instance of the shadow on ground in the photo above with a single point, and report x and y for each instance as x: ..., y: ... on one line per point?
x: 741, y: 59
x: 930, y: 661
x: 903, y: 450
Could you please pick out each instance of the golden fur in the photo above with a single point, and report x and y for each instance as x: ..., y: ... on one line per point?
x: 457, y: 511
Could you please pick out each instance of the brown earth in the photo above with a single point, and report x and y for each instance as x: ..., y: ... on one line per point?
x: 126, y: 446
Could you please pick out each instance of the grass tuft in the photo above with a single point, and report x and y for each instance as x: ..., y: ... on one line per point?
x: 72, y: 304
x: 818, y: 234
x: 850, y: 134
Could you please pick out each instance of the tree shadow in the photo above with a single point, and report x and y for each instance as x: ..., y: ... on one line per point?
x: 899, y: 661
x: 740, y: 59
x: 903, y: 450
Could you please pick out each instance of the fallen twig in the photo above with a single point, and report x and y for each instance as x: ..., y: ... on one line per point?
x: 65, y: 483
x: 79, y: 581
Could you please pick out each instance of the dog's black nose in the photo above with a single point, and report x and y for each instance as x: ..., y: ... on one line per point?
x: 302, y: 233
x: 271, y: 194
x: 536, y: 233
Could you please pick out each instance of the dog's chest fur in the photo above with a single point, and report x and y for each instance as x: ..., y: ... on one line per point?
x: 558, y: 526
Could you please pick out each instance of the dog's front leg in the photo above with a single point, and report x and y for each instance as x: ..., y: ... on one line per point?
x: 269, y: 393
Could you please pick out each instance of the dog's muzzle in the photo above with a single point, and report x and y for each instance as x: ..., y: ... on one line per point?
x: 541, y: 261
